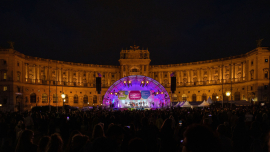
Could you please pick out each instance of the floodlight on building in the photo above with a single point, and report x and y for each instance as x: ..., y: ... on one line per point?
x: 63, y: 96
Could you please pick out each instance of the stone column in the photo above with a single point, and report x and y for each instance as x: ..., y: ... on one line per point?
x: 199, y: 76
x: 122, y: 69
x: 220, y: 73
x: 169, y: 78
x: 106, y: 78
x: 159, y: 77
x: 46, y: 73
x: 181, y: 77
x: 147, y: 69
x: 70, y: 76
x: 49, y: 74
x: 230, y: 65
x: 191, y: 75
x: 202, y: 76
x: 38, y: 73
x: 23, y: 75
x: 209, y: 74
x: 178, y: 78
x: 244, y: 71
x: 213, y: 70
x: 142, y: 73
x: 223, y: 73
x: 27, y: 72
x: 233, y: 72
x: 110, y: 79
x: 188, y: 76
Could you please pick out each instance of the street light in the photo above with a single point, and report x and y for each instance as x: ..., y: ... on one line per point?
x: 63, y: 97
x: 228, y: 94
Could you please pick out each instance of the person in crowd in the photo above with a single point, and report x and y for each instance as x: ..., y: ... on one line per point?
x: 159, y: 122
x: 43, y: 143
x: 55, y: 144
x: 74, y: 132
x: 226, y: 143
x: 78, y: 143
x: 115, y: 137
x: 25, y: 143
x: 198, y: 138
x: 97, y: 132
x: 28, y: 121
x: 137, y: 145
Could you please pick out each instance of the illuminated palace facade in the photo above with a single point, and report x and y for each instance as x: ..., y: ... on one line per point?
x: 28, y: 81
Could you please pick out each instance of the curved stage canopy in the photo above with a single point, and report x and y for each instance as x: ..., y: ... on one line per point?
x: 136, y: 91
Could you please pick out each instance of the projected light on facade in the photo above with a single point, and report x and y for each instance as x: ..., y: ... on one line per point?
x: 136, y: 91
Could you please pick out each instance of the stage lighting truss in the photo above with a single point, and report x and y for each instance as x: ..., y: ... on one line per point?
x: 144, y: 82
x: 128, y: 82
x: 114, y: 93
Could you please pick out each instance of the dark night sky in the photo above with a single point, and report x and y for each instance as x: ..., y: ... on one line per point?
x: 94, y: 32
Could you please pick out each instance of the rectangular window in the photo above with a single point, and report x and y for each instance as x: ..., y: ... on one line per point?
x: 5, y: 88
x: 251, y: 62
x: 266, y: 75
x: 5, y: 76
x: 18, y: 64
x: 55, y: 98
x: 251, y: 88
x: 265, y: 87
x: 18, y: 78
x: 19, y: 89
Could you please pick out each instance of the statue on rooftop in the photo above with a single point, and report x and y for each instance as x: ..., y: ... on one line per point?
x: 11, y: 44
x: 259, y: 42
x: 134, y: 47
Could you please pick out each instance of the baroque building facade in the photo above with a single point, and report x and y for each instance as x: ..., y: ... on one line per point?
x: 28, y: 81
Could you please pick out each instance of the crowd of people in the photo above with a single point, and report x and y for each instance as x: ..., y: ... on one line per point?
x: 162, y: 130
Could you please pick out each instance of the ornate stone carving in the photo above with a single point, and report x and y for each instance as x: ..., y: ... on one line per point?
x: 185, y: 80
x: 227, y: 76
x: 252, y: 74
x: 205, y: 79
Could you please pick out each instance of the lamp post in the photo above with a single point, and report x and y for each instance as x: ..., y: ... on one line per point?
x: 63, y: 97
x: 228, y: 94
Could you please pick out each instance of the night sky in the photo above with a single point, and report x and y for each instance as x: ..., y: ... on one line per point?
x: 94, y: 32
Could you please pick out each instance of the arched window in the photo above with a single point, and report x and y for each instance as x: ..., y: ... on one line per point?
x: 75, y: 98
x: 184, y: 97
x: 134, y: 70
x: 266, y: 74
x: 204, y: 97
x: 33, y: 98
x: 194, y: 98
x: 237, y: 96
x: 55, y: 98
x: 214, y: 96
x: 85, y: 99
x: 44, y: 98
x: 95, y: 99
x: 66, y: 99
